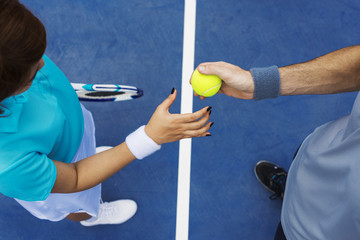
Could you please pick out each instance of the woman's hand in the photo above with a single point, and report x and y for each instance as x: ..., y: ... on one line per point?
x: 165, y: 127
x: 237, y: 82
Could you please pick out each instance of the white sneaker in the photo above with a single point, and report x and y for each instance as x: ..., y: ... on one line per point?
x: 113, y: 213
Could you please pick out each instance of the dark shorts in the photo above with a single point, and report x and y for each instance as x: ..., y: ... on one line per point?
x: 279, y: 235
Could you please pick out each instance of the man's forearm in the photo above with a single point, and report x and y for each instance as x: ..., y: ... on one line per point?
x: 335, y: 72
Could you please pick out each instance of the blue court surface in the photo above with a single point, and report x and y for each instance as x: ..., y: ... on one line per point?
x: 140, y: 43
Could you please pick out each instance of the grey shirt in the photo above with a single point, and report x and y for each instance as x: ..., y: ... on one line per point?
x: 322, y: 195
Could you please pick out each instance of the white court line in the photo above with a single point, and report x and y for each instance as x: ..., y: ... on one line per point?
x: 184, y: 169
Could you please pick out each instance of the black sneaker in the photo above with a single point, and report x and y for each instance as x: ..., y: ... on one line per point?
x: 272, y: 177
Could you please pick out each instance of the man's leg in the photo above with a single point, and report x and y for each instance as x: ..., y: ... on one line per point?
x: 279, y: 235
x: 273, y: 178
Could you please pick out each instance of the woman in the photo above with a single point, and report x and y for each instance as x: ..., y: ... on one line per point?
x: 47, y: 145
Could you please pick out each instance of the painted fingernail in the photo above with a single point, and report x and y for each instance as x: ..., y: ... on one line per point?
x: 208, y: 135
x: 209, y: 112
x: 209, y: 108
x: 173, y: 90
x: 211, y: 124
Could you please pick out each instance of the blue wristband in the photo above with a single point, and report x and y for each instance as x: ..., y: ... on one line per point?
x: 266, y: 81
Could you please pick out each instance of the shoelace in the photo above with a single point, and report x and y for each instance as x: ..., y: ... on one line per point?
x: 276, y: 185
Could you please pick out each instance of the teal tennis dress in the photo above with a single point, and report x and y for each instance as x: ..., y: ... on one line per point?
x: 45, y: 123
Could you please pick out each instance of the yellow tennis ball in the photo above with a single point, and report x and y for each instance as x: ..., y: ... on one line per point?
x: 205, y: 85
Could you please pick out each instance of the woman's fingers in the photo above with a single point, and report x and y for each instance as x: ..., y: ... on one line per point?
x: 197, y: 124
x: 164, y: 127
x: 202, y: 132
x: 165, y: 105
x: 192, y: 117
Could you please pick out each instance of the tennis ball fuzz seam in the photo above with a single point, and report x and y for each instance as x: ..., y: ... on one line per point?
x: 205, y: 85
x: 217, y: 86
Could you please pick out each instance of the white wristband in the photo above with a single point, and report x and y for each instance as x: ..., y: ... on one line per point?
x: 140, y: 144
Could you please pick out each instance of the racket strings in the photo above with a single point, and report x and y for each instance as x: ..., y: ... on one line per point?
x: 103, y: 94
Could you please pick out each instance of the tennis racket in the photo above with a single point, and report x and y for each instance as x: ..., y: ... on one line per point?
x: 106, y: 92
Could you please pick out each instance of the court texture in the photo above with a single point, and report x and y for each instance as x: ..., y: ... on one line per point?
x: 141, y: 43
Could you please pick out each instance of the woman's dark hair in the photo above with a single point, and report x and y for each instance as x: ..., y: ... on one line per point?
x: 22, y: 44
